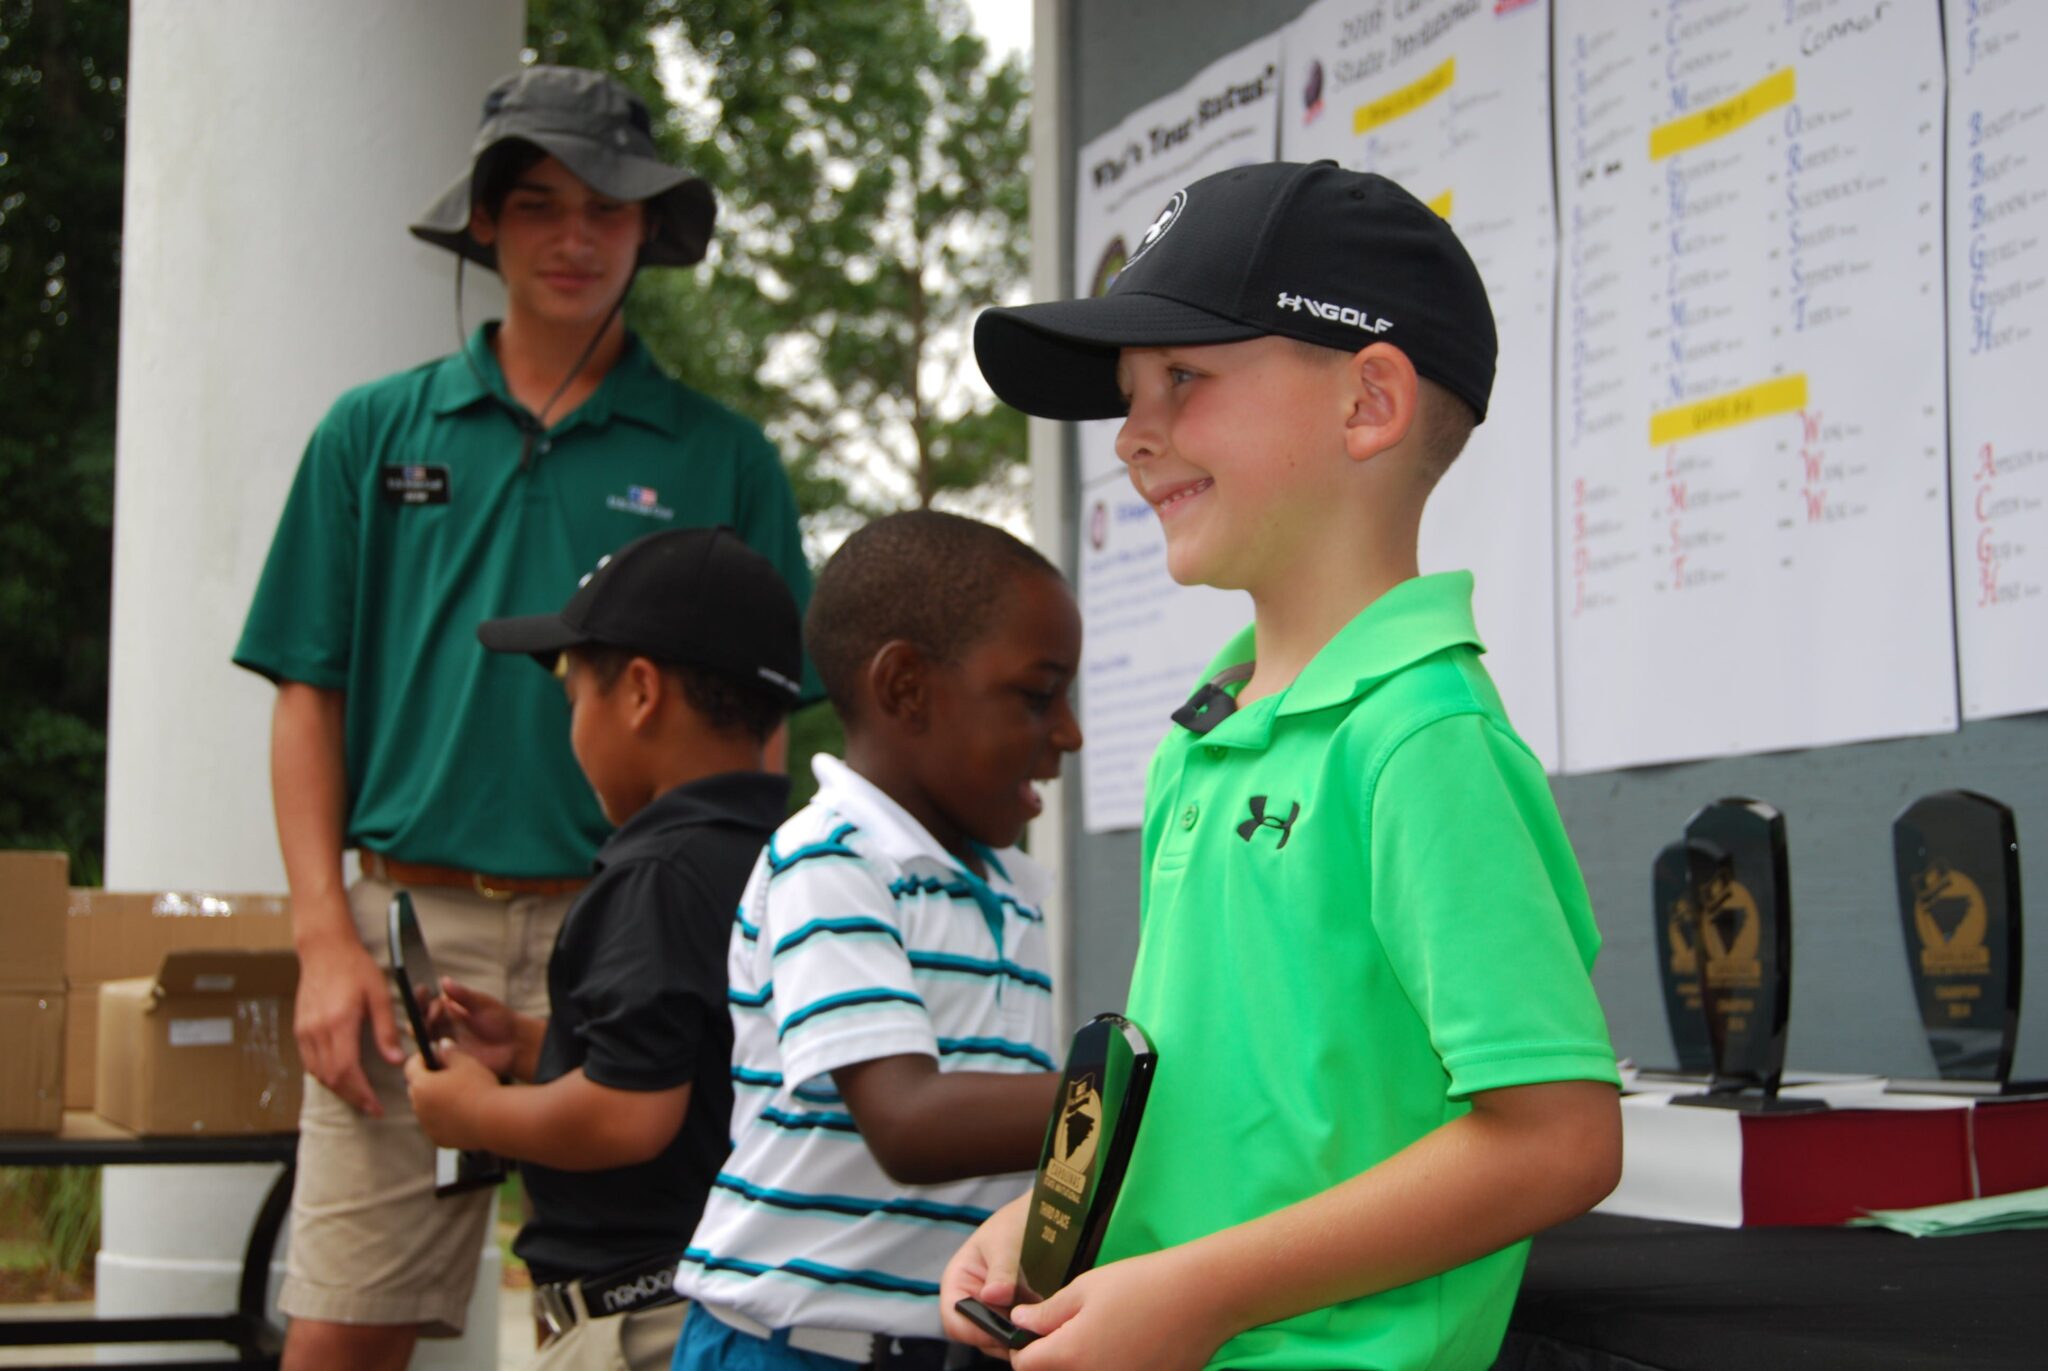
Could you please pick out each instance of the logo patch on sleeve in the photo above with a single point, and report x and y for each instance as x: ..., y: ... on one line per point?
x: 409, y: 484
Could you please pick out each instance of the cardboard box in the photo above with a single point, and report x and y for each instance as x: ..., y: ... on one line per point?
x: 32, y: 1063
x: 204, y: 1046
x: 32, y: 923
x: 118, y: 934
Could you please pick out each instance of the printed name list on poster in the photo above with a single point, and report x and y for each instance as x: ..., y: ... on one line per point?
x: 1147, y: 638
x: 1451, y: 98
x: 1751, y: 422
x: 1998, y: 351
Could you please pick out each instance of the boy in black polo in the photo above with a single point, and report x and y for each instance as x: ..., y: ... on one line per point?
x: 680, y: 656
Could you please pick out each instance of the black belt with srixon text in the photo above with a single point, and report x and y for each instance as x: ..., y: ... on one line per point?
x: 648, y: 1285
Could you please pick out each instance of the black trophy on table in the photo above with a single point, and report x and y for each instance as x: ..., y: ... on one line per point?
x: 1081, y: 1167
x: 456, y: 1172
x: 1957, y: 857
x: 1738, y: 879
x: 1678, y: 964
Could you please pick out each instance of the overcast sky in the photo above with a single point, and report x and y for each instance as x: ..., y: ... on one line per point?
x: 1005, y: 24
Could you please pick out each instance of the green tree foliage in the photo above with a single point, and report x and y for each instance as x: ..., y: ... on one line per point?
x: 870, y: 169
x: 872, y: 189
x: 61, y: 116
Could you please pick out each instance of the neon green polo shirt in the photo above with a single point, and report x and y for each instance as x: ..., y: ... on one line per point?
x: 1359, y: 908
x: 412, y: 520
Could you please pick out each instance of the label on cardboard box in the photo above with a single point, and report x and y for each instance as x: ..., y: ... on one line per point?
x: 218, y: 984
x: 210, y: 1032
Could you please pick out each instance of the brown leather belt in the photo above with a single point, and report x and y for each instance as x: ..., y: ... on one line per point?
x: 379, y: 867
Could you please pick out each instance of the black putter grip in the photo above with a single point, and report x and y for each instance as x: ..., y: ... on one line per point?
x: 994, y: 1324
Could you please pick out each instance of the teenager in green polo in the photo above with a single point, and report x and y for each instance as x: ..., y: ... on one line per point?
x: 1365, y: 944
x: 476, y: 487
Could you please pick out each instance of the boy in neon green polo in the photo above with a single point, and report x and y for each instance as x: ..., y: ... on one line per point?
x: 476, y: 487
x: 1365, y: 944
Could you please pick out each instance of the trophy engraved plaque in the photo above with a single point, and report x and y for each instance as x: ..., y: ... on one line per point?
x: 1678, y: 960
x: 1738, y: 876
x: 1081, y: 1166
x: 1957, y: 858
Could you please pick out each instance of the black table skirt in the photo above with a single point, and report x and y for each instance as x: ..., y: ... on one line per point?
x: 1615, y: 1294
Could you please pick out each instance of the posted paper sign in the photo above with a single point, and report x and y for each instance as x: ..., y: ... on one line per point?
x: 1147, y: 639
x: 1998, y: 351
x: 1451, y: 98
x: 1751, y: 420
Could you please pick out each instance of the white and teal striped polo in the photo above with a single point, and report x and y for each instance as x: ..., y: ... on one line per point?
x: 859, y: 938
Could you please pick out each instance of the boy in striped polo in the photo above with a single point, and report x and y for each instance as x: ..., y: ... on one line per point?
x: 891, y: 1006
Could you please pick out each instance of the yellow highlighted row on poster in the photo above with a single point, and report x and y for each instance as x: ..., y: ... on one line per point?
x: 1441, y: 206
x: 1780, y: 395
x: 1703, y: 126
x: 1406, y: 100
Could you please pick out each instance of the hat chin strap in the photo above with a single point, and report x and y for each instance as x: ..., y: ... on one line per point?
x: 532, y: 426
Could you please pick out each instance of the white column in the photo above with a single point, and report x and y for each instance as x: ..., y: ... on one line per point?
x: 1047, y: 439
x: 276, y: 152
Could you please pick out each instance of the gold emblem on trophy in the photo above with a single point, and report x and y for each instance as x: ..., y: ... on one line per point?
x: 1951, y: 918
x: 1730, y: 933
x: 1075, y: 1138
x: 1685, y: 950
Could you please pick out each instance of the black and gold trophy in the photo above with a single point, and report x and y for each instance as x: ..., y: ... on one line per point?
x: 1738, y: 878
x: 1081, y: 1167
x: 1957, y: 857
x: 1678, y: 963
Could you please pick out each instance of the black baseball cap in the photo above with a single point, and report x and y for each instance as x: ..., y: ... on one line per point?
x: 602, y: 133
x: 1302, y: 250
x: 696, y: 597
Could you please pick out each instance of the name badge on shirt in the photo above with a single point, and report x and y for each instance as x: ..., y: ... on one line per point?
x: 415, y: 485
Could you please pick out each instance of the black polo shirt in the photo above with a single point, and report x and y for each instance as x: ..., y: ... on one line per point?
x: 636, y: 992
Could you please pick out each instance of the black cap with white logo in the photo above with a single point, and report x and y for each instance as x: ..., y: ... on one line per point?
x: 695, y: 597
x: 1308, y: 251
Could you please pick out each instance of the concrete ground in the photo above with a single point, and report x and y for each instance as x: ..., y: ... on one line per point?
x: 515, y: 1329
x: 515, y: 1336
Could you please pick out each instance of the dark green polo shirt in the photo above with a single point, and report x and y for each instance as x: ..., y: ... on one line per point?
x: 1360, y: 908
x: 412, y: 520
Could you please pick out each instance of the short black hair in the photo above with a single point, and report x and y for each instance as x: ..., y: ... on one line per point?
x: 499, y: 169
x: 728, y: 706
x: 926, y: 577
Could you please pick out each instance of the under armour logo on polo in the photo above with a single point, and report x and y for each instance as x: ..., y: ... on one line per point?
x: 1261, y: 819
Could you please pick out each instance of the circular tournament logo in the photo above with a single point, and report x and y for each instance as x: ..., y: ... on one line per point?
x: 1312, y: 93
x: 1159, y: 227
x: 1114, y: 258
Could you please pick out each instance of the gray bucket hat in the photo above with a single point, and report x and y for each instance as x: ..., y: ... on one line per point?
x: 601, y: 132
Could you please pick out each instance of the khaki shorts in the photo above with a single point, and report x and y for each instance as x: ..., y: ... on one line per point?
x: 370, y: 1242
x: 642, y: 1341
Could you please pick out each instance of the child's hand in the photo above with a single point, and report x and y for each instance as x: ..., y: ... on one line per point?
x: 445, y: 1100
x: 483, y: 1026
x: 1140, y: 1314
x: 985, y: 1269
